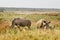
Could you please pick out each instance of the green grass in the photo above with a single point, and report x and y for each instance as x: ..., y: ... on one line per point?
x: 33, y: 34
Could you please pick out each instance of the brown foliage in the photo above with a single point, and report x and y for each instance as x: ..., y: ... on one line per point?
x: 3, y: 24
x: 53, y: 14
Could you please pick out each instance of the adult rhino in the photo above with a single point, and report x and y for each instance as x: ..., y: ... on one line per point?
x: 21, y: 22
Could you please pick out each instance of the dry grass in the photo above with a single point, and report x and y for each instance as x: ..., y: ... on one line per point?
x: 34, y: 33
x: 3, y: 24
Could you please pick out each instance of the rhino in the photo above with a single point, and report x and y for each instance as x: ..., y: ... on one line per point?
x: 21, y: 22
x: 42, y: 23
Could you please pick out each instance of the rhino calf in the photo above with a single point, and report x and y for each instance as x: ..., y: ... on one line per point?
x: 42, y: 23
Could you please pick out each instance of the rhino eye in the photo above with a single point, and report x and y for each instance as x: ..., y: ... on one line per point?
x: 44, y: 21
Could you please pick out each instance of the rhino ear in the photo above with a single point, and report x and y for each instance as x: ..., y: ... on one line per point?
x: 49, y: 22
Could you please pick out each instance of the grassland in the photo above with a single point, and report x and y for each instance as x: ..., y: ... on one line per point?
x: 34, y: 33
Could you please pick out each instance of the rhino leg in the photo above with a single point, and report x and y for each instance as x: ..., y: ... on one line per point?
x: 12, y: 26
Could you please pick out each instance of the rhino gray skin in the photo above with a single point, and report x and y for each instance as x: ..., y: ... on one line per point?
x: 20, y: 22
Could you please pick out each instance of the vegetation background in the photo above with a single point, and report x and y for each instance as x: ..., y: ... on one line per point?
x: 34, y: 33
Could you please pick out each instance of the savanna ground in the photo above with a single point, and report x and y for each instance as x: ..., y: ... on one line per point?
x: 34, y: 33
